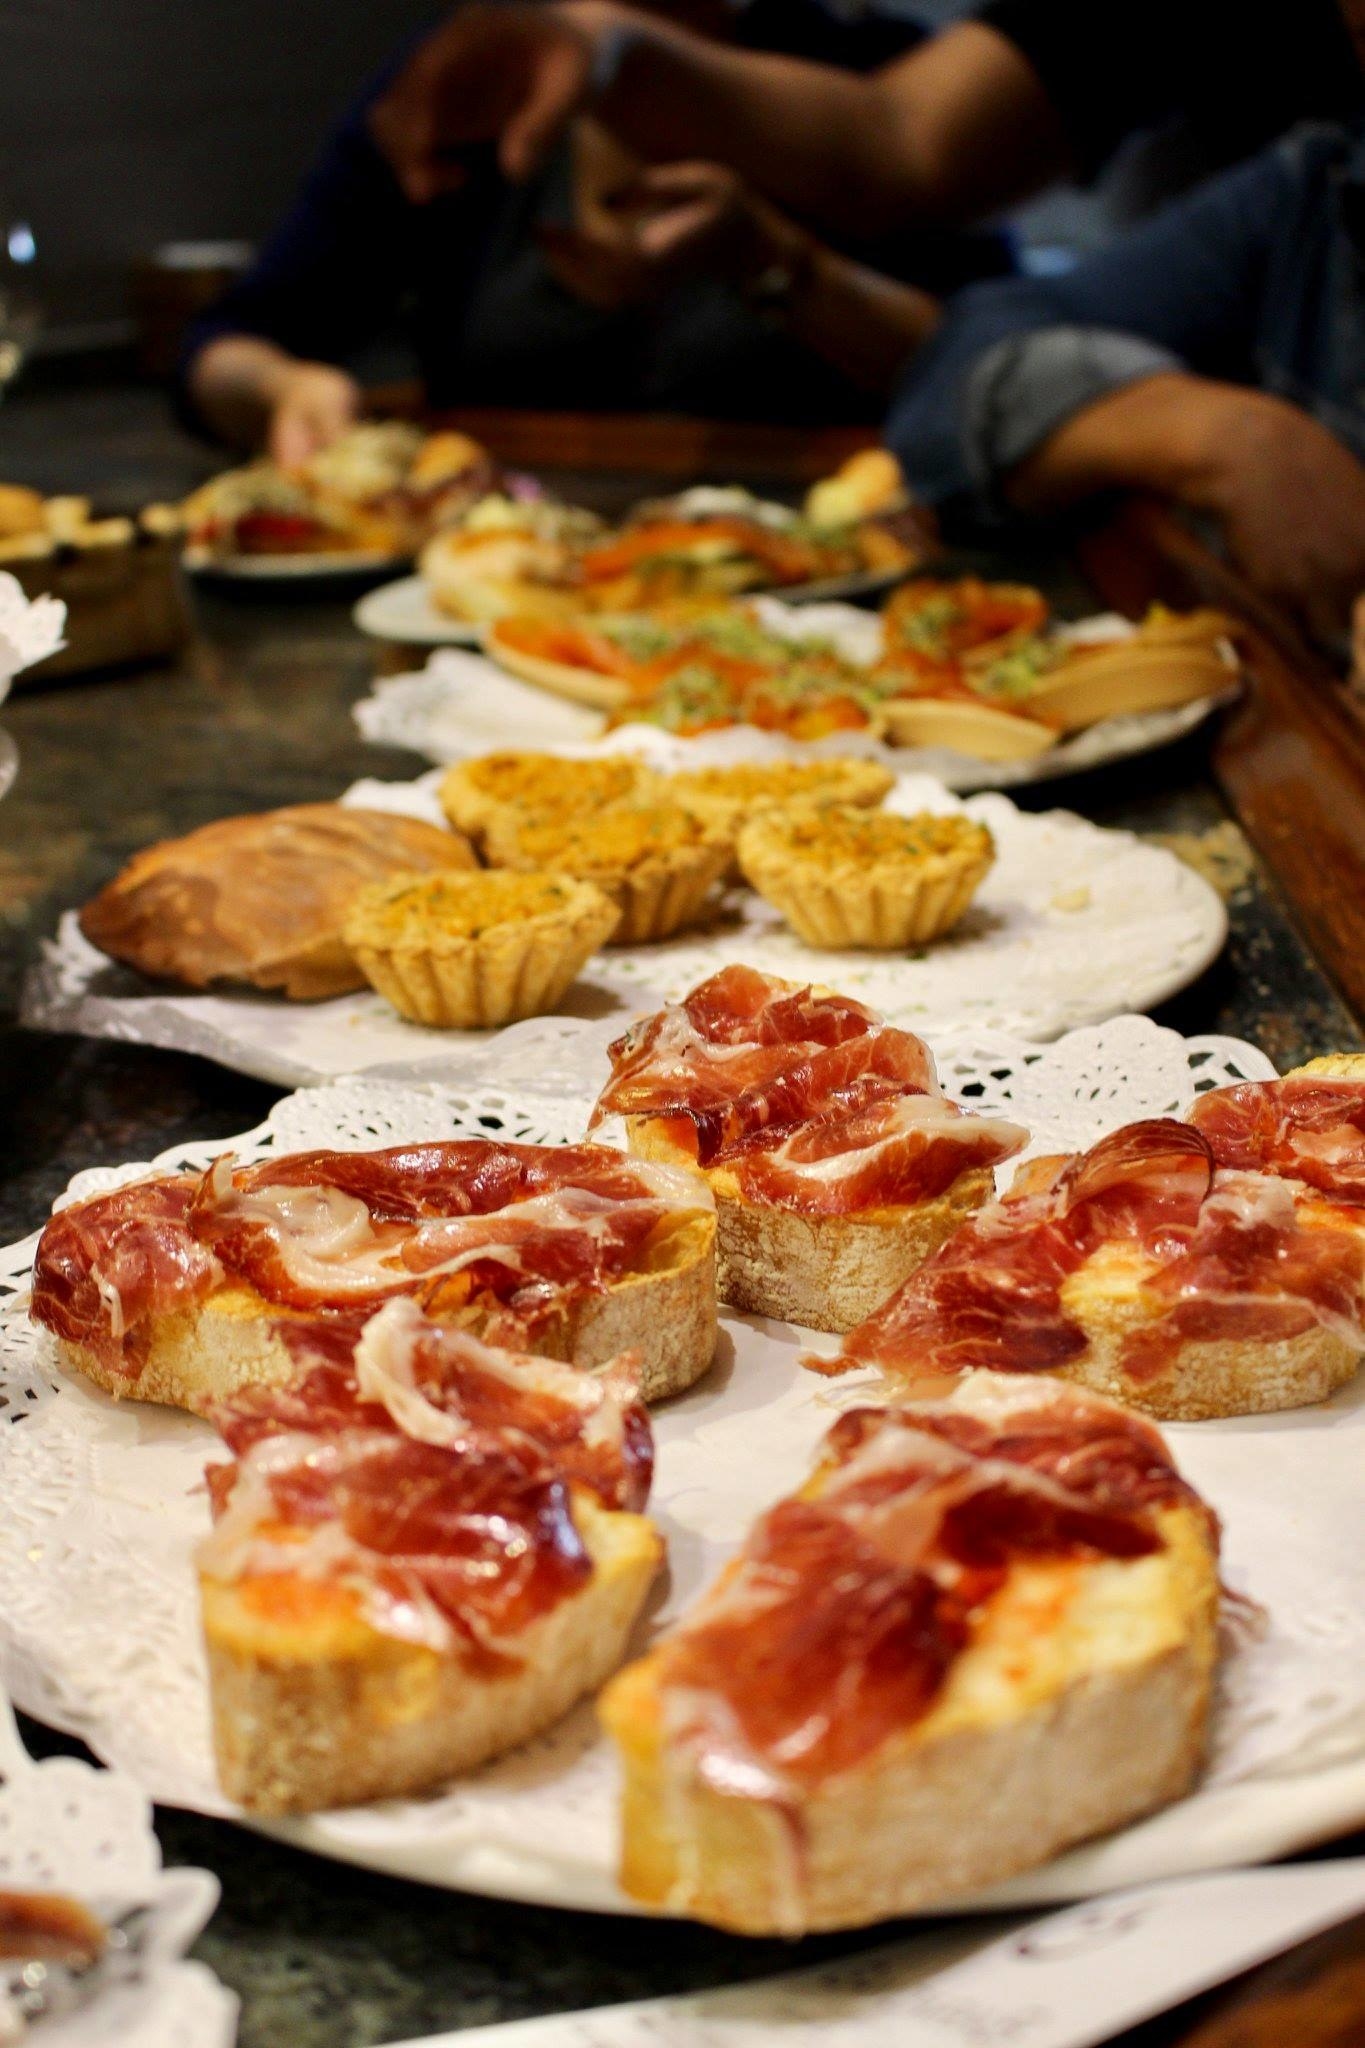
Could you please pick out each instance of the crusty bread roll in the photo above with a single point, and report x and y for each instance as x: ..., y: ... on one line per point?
x: 261, y: 899
x: 21, y: 511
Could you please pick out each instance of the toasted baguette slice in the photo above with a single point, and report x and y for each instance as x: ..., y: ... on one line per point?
x: 667, y: 1313
x: 1332, y: 1066
x: 562, y: 678
x: 825, y: 1272
x: 1203, y: 1380
x: 1112, y: 682
x: 984, y: 730
x: 314, y: 1708
x: 1078, y: 1704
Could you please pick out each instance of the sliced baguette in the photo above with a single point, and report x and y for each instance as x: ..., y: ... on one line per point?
x: 314, y: 1708
x: 983, y: 730
x: 1204, y: 1380
x: 1131, y: 676
x: 1079, y: 1706
x: 825, y: 1272
x: 563, y: 678
x: 666, y: 1312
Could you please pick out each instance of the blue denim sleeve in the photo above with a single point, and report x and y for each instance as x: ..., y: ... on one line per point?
x: 1013, y: 359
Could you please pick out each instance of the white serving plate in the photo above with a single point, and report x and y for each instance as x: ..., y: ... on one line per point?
x: 303, y: 568
x: 1073, y: 923
x: 462, y: 704
x: 403, y: 612
x: 99, y: 1631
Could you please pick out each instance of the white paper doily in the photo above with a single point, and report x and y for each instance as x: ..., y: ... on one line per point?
x: 85, y: 1833
x: 462, y: 704
x: 103, y: 1504
x: 1072, y: 924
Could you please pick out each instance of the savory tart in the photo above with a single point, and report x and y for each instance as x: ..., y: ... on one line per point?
x: 657, y: 862
x: 984, y: 1629
x: 835, y: 1162
x: 474, y: 952
x: 727, y: 798
x: 262, y: 899
x: 1144, y: 1270
x: 490, y: 796
x: 846, y: 877
x: 184, y: 1287
x: 420, y: 1558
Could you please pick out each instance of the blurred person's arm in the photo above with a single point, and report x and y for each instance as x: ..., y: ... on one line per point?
x: 1136, y: 371
x: 958, y: 128
x: 252, y: 394
x: 263, y: 367
x: 675, y: 221
x: 1288, y: 497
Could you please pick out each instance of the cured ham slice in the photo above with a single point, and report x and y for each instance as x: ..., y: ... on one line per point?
x: 1309, y: 1128
x: 447, y: 1549
x: 1122, y: 1259
x: 747, y: 1061
x: 836, y: 1163
x: 889, y: 1693
x: 893, y: 1151
x: 424, y: 1551
x: 519, y: 1228
x: 399, y: 1371
x: 107, y: 1268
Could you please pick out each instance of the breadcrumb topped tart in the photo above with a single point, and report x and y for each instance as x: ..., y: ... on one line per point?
x: 729, y: 797
x: 496, y: 792
x: 658, y: 862
x: 486, y: 950
x: 846, y: 877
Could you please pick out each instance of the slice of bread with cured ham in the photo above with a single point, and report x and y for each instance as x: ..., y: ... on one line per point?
x: 182, y: 1287
x: 984, y: 1629
x: 424, y: 1553
x: 1147, y: 1269
x: 836, y: 1163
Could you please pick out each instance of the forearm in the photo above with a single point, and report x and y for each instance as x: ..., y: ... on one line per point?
x: 819, y: 141
x: 236, y: 381
x: 865, y: 324
x: 1168, y: 434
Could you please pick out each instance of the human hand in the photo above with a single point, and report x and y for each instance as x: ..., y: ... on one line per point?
x: 510, y: 75
x: 1290, y: 499
x: 671, y: 222
x: 311, y: 405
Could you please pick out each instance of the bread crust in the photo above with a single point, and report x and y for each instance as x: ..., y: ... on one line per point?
x: 329, y: 1712
x: 1037, y: 1743
x: 1203, y: 1380
x: 667, y: 1313
x: 824, y: 1272
x: 561, y: 678
x: 262, y: 899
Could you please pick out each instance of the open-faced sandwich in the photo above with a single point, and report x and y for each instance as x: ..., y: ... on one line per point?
x: 697, y: 673
x: 1187, y: 1268
x: 184, y: 1287
x: 679, y: 553
x: 983, y: 668
x: 425, y: 1551
x: 379, y: 489
x: 263, y: 899
x: 836, y: 1163
x: 984, y: 1629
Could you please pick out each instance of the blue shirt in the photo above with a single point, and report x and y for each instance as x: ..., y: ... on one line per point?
x: 1257, y: 278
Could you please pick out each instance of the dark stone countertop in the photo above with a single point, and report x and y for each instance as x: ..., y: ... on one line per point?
x: 258, y: 714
